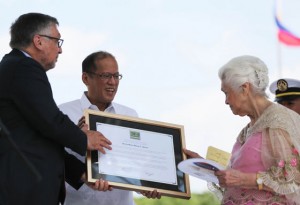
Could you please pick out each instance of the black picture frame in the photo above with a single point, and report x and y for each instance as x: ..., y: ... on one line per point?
x: 179, y: 190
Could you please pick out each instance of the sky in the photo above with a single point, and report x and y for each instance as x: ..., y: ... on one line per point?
x: 169, y: 52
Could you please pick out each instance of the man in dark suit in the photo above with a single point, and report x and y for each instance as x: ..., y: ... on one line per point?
x: 36, y: 125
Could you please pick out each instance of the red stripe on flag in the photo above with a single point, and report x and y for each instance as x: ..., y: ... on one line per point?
x: 288, y: 38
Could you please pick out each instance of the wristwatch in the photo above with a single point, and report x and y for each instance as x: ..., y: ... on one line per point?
x: 259, y: 181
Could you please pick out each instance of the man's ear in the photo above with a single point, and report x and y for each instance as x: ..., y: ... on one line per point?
x: 37, y: 41
x: 84, y: 78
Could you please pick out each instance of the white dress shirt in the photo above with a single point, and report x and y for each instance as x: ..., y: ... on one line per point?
x: 86, y: 195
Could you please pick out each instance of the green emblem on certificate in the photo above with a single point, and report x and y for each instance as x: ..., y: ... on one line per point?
x: 135, y: 135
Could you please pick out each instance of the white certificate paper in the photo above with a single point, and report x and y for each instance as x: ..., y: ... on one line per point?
x: 138, y: 154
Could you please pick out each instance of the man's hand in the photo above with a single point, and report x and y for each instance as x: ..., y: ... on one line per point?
x: 99, y: 185
x: 96, y: 141
x: 81, y: 122
x: 191, y: 154
x: 151, y: 194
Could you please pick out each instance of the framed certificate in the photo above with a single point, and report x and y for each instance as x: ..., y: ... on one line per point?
x: 144, y: 156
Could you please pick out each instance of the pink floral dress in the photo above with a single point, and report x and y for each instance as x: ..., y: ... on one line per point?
x: 247, y: 158
x: 269, y: 147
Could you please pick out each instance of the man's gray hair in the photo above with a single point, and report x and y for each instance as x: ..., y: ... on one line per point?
x: 26, y: 26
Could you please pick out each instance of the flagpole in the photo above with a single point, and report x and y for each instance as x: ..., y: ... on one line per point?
x: 279, y: 60
x: 279, y: 63
x: 285, y: 37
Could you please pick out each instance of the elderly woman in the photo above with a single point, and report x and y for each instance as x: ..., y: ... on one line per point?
x: 264, y: 167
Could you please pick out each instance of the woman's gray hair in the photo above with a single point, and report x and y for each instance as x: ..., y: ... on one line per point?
x: 242, y: 69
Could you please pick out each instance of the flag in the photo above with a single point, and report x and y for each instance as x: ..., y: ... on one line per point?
x: 284, y: 35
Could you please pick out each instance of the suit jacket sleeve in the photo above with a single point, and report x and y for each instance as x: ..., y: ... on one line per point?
x: 74, y: 170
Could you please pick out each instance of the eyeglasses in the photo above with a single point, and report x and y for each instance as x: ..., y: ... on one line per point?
x: 107, y: 76
x: 59, y: 41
